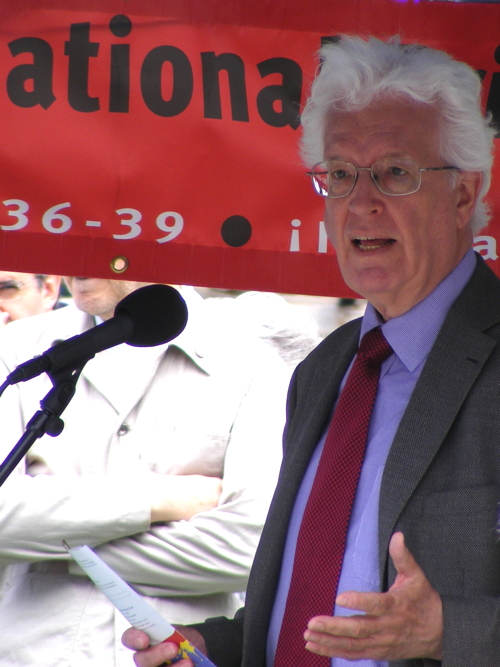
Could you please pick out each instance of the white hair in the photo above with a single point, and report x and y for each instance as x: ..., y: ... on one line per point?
x: 355, y: 72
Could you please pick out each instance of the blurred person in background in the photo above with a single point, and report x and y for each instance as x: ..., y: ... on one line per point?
x: 26, y: 294
x: 166, y: 465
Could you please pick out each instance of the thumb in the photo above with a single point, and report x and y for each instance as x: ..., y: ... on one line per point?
x: 135, y: 639
x: 406, y: 566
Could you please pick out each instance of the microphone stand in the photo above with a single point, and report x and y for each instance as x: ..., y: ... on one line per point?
x: 47, y: 420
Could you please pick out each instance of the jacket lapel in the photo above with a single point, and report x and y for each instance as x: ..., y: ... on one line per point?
x: 455, y: 361
x: 316, y: 393
x: 313, y: 392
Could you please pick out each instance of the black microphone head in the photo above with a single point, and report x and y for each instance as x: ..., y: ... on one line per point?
x: 159, y: 314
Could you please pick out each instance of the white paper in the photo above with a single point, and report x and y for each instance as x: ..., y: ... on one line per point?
x: 136, y: 610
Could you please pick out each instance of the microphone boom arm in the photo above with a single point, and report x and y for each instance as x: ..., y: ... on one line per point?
x: 45, y: 421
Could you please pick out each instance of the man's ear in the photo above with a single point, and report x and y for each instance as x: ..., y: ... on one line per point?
x: 50, y: 289
x: 468, y: 188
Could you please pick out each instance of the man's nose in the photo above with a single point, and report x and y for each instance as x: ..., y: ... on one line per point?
x: 366, y: 198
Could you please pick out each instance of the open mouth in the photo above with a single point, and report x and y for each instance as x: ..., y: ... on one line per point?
x: 369, y: 243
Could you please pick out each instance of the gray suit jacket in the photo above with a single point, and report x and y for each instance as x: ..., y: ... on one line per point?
x: 441, y: 483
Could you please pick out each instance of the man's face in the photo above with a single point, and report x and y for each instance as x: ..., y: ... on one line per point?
x: 99, y: 297
x: 30, y: 298
x: 395, y: 250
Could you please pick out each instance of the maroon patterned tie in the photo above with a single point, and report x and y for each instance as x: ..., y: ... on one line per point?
x: 322, y: 535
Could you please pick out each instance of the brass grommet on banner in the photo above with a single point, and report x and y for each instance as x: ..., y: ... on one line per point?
x: 119, y: 264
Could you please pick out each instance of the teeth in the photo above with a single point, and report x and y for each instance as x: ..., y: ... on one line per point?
x: 376, y: 242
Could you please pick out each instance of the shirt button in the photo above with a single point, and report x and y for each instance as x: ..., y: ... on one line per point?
x: 124, y: 429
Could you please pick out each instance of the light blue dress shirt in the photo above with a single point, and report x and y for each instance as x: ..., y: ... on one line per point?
x: 411, y: 336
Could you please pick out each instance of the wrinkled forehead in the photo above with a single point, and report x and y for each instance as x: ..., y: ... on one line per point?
x: 382, y: 129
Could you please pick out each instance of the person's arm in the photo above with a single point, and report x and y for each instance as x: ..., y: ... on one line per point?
x: 38, y: 512
x: 98, y: 509
x: 213, y: 552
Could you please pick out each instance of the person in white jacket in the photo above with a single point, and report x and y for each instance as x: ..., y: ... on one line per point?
x: 166, y: 466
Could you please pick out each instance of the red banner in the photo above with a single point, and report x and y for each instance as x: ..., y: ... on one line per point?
x: 157, y: 140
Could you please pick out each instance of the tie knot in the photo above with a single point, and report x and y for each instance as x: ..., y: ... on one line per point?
x: 374, y: 346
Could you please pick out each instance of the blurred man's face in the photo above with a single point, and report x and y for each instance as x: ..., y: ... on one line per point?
x: 22, y: 295
x: 99, y: 297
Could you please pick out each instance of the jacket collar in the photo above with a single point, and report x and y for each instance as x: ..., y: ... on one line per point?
x: 123, y: 373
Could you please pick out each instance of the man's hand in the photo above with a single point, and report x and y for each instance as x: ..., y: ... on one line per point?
x: 405, y: 622
x: 154, y: 656
x: 177, y: 497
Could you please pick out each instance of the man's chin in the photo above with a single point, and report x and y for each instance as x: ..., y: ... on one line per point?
x: 369, y: 281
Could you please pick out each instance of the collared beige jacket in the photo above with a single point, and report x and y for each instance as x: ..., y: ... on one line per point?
x: 211, y: 402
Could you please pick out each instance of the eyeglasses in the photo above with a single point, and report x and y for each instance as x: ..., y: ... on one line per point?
x: 10, y: 290
x: 393, y: 176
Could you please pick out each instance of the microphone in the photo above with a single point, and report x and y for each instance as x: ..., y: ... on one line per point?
x: 149, y: 316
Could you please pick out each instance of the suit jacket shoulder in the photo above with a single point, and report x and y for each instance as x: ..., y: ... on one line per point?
x: 441, y: 482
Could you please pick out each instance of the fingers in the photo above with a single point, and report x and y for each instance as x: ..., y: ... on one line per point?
x: 156, y: 656
x: 135, y: 639
x: 180, y: 497
x: 377, y: 604
x: 352, y: 638
x: 151, y: 656
x: 371, y: 603
x: 405, y: 622
x: 322, y: 627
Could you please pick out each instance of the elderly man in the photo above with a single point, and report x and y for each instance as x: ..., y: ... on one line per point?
x: 26, y: 294
x: 167, y: 465
x: 408, y: 572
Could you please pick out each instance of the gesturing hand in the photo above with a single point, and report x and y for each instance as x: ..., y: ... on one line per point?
x: 405, y: 622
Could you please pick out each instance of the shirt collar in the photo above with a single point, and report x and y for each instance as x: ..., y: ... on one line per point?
x: 189, y: 339
x: 412, y: 334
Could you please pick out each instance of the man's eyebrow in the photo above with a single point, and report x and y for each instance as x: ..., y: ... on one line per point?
x: 389, y: 156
